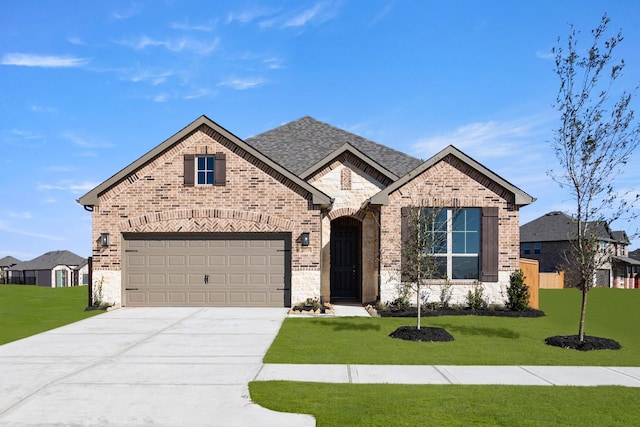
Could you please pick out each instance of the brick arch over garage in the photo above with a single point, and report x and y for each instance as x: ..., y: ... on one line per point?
x: 358, y: 214
x: 206, y: 220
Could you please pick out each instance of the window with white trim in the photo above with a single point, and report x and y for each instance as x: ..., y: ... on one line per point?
x: 205, y: 170
x: 454, y: 236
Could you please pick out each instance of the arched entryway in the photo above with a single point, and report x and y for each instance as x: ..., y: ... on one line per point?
x: 346, y: 259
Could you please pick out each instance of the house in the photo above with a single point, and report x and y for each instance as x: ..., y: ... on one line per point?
x: 549, y: 239
x: 305, y: 210
x: 55, y: 269
x: 6, y: 263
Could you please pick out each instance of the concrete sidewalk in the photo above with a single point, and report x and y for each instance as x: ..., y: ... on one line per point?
x: 479, y: 375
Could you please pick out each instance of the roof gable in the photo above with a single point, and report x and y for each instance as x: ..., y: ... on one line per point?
x: 521, y: 198
x: 92, y: 197
x: 50, y: 260
x: 305, y: 143
x: 8, y: 261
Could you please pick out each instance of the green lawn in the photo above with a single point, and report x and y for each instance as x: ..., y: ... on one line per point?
x: 612, y: 313
x: 28, y: 310
x: 450, y: 405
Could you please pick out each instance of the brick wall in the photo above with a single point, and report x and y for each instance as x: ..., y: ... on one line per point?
x: 254, y: 199
x: 450, y: 183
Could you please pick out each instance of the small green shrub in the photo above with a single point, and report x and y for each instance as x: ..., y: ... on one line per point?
x: 446, y: 291
x: 475, y: 297
x: 517, y: 292
x: 311, y: 304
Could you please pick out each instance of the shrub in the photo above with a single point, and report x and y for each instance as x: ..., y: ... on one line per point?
x: 517, y: 292
x: 446, y: 291
x: 475, y: 297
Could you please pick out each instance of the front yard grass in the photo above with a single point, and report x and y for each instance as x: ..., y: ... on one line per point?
x: 28, y: 310
x: 450, y: 405
x: 611, y: 313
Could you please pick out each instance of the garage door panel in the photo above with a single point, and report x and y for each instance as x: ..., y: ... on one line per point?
x: 170, y: 270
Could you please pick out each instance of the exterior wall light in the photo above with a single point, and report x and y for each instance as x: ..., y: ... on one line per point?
x: 104, y: 239
x: 304, y: 239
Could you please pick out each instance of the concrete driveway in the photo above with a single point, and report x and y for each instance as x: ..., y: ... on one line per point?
x: 143, y: 366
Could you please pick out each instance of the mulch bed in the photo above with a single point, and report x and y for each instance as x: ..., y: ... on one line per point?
x: 589, y: 343
x: 424, y: 334
x: 499, y: 312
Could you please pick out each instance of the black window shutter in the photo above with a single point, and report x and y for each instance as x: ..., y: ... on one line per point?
x: 189, y: 169
x: 220, y: 169
x: 489, y: 245
x: 408, y: 238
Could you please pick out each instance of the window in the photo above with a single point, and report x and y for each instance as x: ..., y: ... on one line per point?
x: 537, y: 248
x: 526, y: 249
x: 452, y: 238
x: 205, y: 170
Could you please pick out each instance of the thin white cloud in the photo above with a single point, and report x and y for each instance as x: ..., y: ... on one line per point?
x: 154, y: 78
x: 20, y: 215
x: 384, y: 12
x: 84, y: 142
x: 9, y: 229
x: 59, y: 168
x: 198, y: 93
x: 43, y: 61
x: 161, y: 97
x: 488, y: 139
x: 319, y: 13
x: 23, y: 134
x: 247, y: 15
x: 68, y: 185
x: 243, y: 84
x: 273, y: 63
x: 545, y: 54
x: 186, y: 26
x: 41, y: 109
x: 77, y: 41
x: 127, y: 13
x: 183, y: 44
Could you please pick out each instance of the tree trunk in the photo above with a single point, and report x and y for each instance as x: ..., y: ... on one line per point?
x: 418, y: 302
x: 583, y: 311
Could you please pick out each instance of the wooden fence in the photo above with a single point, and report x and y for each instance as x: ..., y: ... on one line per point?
x: 530, y: 270
x: 552, y: 280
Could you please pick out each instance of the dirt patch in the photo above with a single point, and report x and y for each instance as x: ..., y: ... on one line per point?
x: 425, y: 334
x: 589, y: 343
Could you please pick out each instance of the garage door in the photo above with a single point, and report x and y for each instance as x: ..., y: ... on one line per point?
x: 206, y: 270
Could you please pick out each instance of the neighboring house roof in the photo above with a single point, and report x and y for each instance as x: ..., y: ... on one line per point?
x: 626, y: 260
x: 635, y: 254
x: 49, y: 261
x: 92, y: 197
x: 521, y: 198
x: 305, y: 143
x: 558, y: 226
x: 8, y: 261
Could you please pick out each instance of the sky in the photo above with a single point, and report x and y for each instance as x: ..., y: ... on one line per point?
x: 87, y: 87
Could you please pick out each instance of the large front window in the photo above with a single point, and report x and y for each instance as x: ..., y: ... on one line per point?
x: 451, y: 239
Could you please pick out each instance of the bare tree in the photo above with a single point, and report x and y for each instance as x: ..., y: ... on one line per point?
x: 596, y: 138
x: 423, y: 239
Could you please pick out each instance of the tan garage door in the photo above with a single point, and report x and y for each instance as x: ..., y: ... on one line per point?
x: 236, y: 270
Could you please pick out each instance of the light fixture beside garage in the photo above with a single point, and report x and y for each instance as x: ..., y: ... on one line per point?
x: 104, y: 239
x: 304, y: 239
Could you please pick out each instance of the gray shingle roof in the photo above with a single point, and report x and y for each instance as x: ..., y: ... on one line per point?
x: 8, y: 261
x: 558, y: 226
x: 300, y: 144
x: 50, y: 260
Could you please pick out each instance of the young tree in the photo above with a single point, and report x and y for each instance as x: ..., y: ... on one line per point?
x: 596, y: 138
x: 423, y: 238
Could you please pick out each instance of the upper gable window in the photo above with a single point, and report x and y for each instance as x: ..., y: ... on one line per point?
x: 205, y: 170
x: 205, y: 173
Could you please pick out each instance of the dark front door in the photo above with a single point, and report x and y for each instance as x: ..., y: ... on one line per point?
x: 345, y: 263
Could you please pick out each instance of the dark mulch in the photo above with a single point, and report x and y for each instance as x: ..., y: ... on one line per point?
x: 428, y: 334
x: 499, y: 312
x: 589, y: 343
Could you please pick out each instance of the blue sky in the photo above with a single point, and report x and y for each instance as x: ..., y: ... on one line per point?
x: 89, y: 86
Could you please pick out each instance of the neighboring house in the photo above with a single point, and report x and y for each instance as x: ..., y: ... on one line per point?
x: 305, y: 210
x: 6, y: 263
x: 549, y: 239
x: 55, y: 269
